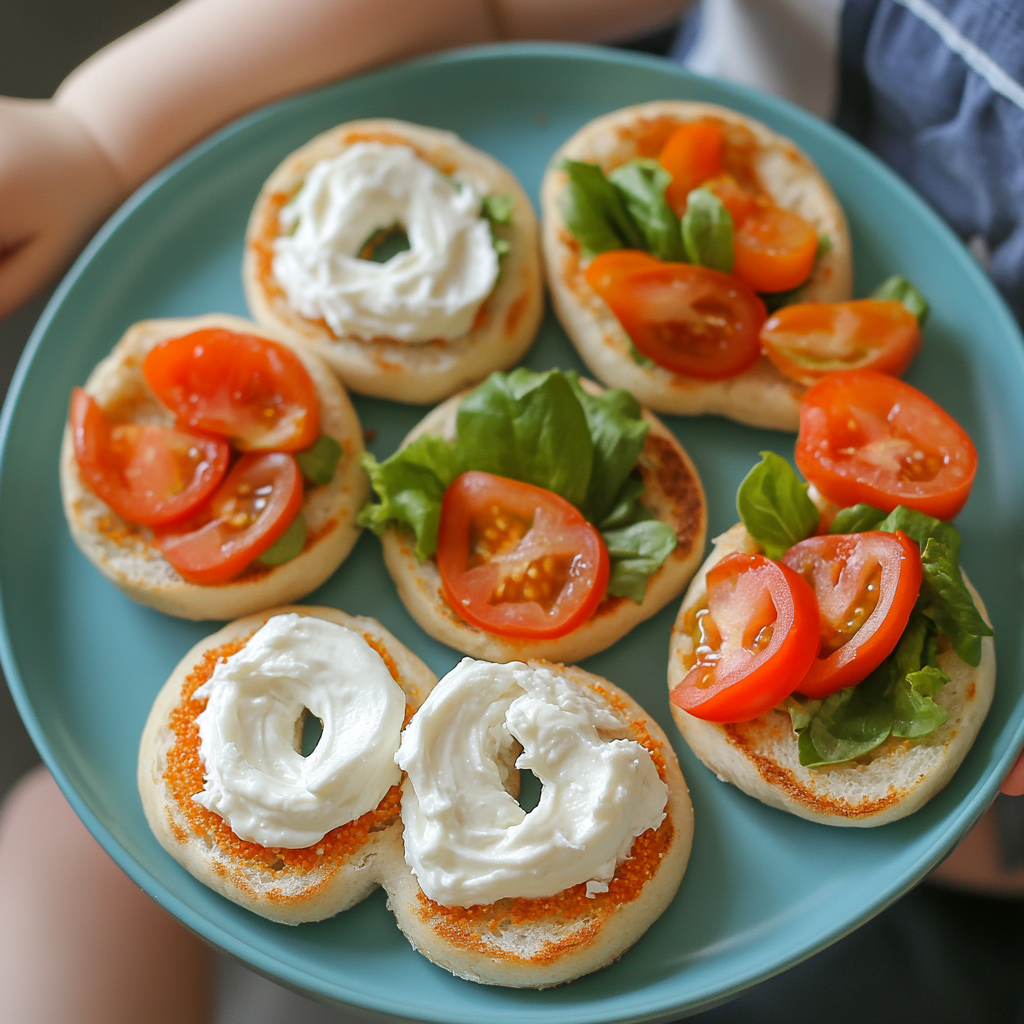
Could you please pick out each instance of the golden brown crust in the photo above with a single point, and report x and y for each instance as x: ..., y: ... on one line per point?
x: 123, y: 551
x: 760, y: 159
x: 417, y: 373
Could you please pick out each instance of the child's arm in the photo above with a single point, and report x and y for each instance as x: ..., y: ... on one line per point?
x: 66, y: 163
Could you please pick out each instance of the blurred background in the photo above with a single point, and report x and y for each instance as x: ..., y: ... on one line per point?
x: 935, y: 956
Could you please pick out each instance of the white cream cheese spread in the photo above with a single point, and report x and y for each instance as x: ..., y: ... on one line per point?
x: 433, y: 289
x: 249, y: 732
x: 467, y: 840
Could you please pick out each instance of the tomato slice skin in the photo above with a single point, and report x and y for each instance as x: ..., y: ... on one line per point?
x: 691, y: 154
x: 535, y: 529
x: 868, y: 437
x: 866, y: 585
x: 254, y: 391
x: 146, y: 473
x: 234, y: 528
x: 774, y: 249
x: 608, y: 267
x: 809, y: 339
x: 691, y: 320
x: 743, y: 674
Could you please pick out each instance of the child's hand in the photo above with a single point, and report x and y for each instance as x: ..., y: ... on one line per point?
x: 56, y: 185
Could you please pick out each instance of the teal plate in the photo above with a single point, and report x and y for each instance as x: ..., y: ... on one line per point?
x: 764, y: 889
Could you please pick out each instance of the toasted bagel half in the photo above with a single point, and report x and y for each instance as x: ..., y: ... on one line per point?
x: 419, y: 373
x: 123, y: 551
x: 289, y: 886
x: 674, y: 495
x: 537, y: 943
x: 762, y: 758
x: 760, y: 159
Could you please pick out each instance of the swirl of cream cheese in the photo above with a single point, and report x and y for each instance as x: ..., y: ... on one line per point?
x: 250, y: 731
x: 467, y: 839
x: 432, y: 290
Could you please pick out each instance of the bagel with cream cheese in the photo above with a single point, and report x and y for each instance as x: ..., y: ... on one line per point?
x: 764, y: 162
x: 762, y: 756
x: 577, y: 733
x: 283, y: 883
x: 124, y: 552
x: 368, y: 352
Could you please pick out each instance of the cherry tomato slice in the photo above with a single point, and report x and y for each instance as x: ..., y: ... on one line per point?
x: 691, y: 320
x: 866, y: 585
x: 254, y: 391
x: 608, y: 267
x: 144, y: 472
x: 807, y: 340
x: 254, y: 505
x: 692, y: 154
x: 868, y: 437
x: 518, y: 560
x: 774, y: 250
x: 758, y: 638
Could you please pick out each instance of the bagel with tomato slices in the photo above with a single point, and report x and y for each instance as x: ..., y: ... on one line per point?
x: 169, y: 478
x: 318, y: 835
x: 464, y: 298
x: 490, y: 560
x: 758, y: 175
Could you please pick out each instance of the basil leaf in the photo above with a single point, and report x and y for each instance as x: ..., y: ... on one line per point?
x: 853, y: 721
x: 637, y: 552
x: 776, y: 300
x: 774, y: 507
x: 627, y: 508
x: 857, y: 519
x: 948, y: 603
x: 497, y: 209
x: 707, y: 231
x: 642, y: 184
x: 638, y: 357
x: 411, y: 484
x: 530, y: 427
x: 899, y: 289
x: 320, y: 460
x: 617, y: 430
x: 824, y: 246
x: 801, y: 711
x: 917, y: 526
x: 288, y: 546
x: 914, y: 711
x: 594, y: 211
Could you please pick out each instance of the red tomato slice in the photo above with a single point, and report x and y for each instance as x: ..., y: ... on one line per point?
x: 807, y: 340
x: 868, y: 437
x: 146, y: 473
x: 758, y: 638
x: 774, y: 250
x: 692, y: 154
x: 254, y: 391
x: 691, y: 320
x: 866, y: 584
x: 254, y: 505
x: 608, y: 267
x: 518, y: 560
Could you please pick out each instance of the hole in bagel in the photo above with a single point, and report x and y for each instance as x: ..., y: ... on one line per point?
x: 309, y: 729
x: 529, y: 790
x: 384, y: 243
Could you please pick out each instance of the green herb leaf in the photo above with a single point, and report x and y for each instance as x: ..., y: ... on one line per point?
x: 637, y: 552
x: 628, y: 508
x: 857, y: 519
x: 320, y: 460
x: 776, y: 300
x: 917, y: 526
x: 824, y: 246
x: 638, y: 357
x: 707, y: 231
x: 801, y: 710
x: 642, y: 184
x: 595, y: 212
x: 411, y: 484
x: 774, y: 507
x: 914, y: 712
x: 948, y: 603
x: 497, y: 209
x: 852, y: 722
x: 900, y: 289
x: 288, y: 546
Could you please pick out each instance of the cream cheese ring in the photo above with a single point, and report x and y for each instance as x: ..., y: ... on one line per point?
x: 504, y: 896
x: 761, y: 396
x: 124, y: 551
x: 463, y: 300
x: 226, y: 789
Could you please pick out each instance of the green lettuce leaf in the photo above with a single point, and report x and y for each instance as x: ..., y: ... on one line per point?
x: 595, y: 212
x: 707, y: 231
x: 914, y: 712
x: 946, y: 600
x: 900, y: 289
x: 636, y: 553
x: 497, y: 209
x: 774, y: 507
x: 642, y: 185
x: 628, y: 508
x: 857, y: 519
x: 851, y: 722
x: 922, y: 528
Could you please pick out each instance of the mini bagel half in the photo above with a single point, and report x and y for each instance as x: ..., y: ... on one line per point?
x: 289, y: 886
x: 762, y: 757
x: 537, y: 943
x: 123, y: 551
x: 386, y: 368
x: 760, y: 158
x: 674, y: 495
